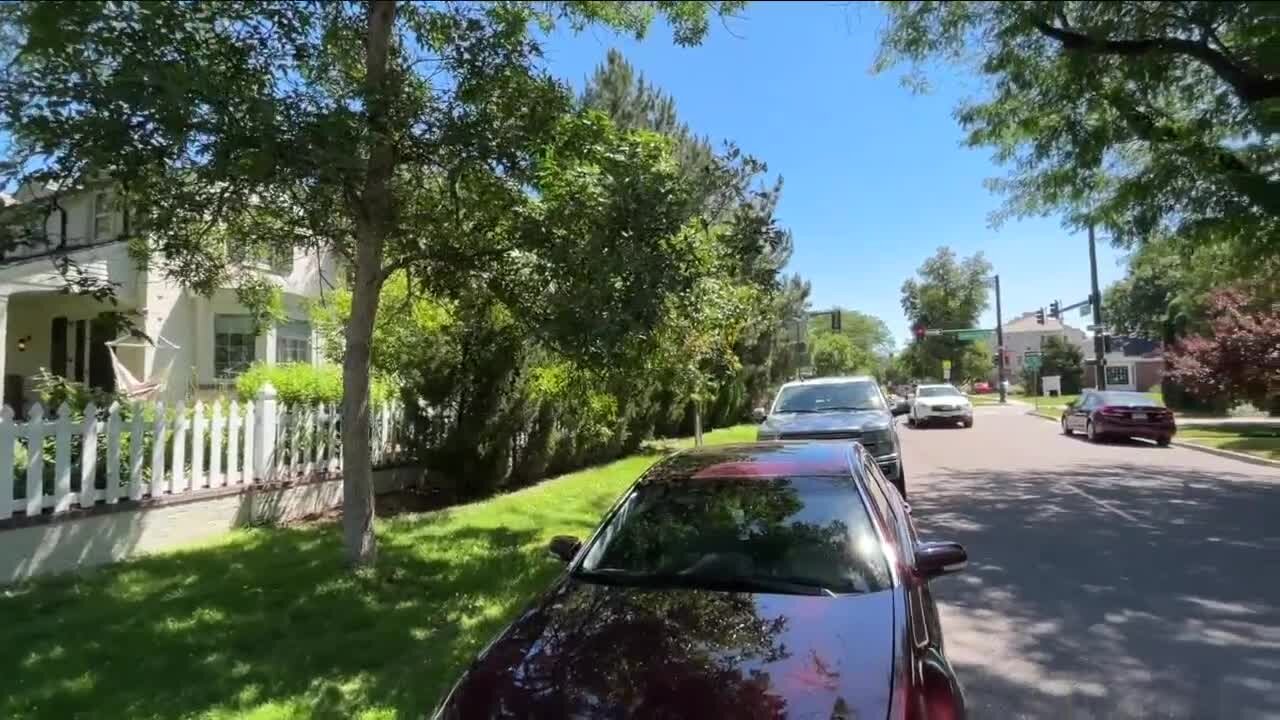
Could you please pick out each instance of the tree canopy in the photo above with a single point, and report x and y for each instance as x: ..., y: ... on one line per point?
x: 1150, y: 119
x: 948, y: 293
x: 402, y: 137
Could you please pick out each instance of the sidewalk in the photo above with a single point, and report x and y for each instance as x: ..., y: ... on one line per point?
x: 1262, y: 420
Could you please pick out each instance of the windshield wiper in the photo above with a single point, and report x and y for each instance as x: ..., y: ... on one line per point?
x: 765, y: 584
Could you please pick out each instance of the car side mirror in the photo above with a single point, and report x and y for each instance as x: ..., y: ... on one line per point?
x: 565, y: 547
x: 901, y: 408
x: 759, y: 415
x: 934, y: 559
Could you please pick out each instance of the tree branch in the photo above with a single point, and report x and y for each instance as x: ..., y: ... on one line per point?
x: 1249, y: 85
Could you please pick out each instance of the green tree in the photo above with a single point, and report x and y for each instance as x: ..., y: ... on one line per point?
x: 948, y: 293
x: 401, y: 136
x: 1058, y: 357
x: 1149, y: 119
x: 836, y: 354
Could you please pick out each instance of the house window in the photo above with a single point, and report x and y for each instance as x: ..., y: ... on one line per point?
x: 103, y: 217
x: 293, y: 342
x: 1117, y: 375
x: 233, y: 344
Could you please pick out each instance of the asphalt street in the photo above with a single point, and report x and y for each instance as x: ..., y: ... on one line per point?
x: 1105, y: 581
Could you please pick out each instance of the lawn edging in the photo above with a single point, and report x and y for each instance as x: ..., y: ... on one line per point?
x: 1242, y: 457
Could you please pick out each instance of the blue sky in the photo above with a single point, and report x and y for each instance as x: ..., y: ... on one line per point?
x: 876, y: 176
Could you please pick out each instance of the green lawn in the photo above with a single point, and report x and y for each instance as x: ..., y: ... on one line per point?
x: 1260, y: 440
x: 265, y: 624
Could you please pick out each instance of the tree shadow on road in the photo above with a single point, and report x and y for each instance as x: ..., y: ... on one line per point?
x: 1112, y: 591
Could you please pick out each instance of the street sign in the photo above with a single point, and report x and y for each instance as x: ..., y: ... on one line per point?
x: 1086, y: 310
x: 946, y: 369
x: 978, y: 334
x: 1031, y: 362
x: 1098, y: 328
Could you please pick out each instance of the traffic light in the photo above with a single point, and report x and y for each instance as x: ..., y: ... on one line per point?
x: 1055, y: 309
x: 835, y: 320
x: 919, y: 331
x: 1040, y: 316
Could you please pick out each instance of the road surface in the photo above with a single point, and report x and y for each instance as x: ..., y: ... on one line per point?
x: 1105, y: 581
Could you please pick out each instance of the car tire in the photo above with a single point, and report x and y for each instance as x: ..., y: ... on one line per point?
x: 1066, y: 429
x: 968, y: 423
x: 1091, y: 432
x: 1164, y: 441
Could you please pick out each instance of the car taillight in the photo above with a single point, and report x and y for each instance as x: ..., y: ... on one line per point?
x: 1111, y: 411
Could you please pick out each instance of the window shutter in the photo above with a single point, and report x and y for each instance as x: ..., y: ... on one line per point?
x: 58, y: 347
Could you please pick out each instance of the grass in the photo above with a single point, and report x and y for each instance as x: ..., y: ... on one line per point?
x: 265, y: 623
x: 1262, y: 440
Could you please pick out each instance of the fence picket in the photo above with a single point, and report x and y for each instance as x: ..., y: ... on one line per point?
x: 216, y: 476
x: 295, y: 441
x: 178, y: 480
x: 322, y: 439
x: 157, y: 452
x: 35, y: 460
x: 62, y: 496
x: 233, y: 444
x: 281, y: 460
x: 197, y: 447
x: 250, y: 427
x: 7, y: 440
x: 113, y: 454
x: 136, y: 434
x: 89, y: 457
x: 313, y: 439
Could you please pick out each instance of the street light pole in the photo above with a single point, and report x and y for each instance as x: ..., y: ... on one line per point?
x: 999, y: 343
x: 1099, y: 372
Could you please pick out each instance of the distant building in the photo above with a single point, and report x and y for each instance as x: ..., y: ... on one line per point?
x: 1023, y: 336
x: 1133, y: 364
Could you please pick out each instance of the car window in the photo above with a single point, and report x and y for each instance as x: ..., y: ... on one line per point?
x: 938, y: 391
x: 723, y: 533
x: 820, y: 397
x: 1086, y: 402
x: 1129, y: 399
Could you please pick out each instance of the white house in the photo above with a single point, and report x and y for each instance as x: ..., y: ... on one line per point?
x: 1132, y: 364
x: 42, y: 327
x: 1024, y: 336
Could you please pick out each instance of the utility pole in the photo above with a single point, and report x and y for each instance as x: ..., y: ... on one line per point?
x: 999, y: 344
x: 1099, y: 372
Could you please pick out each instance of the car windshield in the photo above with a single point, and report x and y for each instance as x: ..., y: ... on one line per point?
x: 939, y: 391
x: 1128, y: 399
x: 822, y: 397
x: 798, y: 535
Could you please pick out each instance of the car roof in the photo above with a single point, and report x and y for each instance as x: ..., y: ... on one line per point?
x: 813, y: 458
x: 830, y: 380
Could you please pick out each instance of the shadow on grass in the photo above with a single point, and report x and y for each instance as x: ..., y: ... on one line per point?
x: 268, y: 623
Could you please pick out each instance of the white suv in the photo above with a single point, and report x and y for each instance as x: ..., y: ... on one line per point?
x: 934, y: 403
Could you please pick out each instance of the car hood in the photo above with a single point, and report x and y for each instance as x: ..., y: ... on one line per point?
x: 851, y: 421
x: 609, y: 651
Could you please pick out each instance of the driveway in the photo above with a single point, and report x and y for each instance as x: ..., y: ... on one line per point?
x: 1105, y: 581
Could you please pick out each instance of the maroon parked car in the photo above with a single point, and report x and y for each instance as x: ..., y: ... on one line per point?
x: 768, y: 580
x: 1100, y: 414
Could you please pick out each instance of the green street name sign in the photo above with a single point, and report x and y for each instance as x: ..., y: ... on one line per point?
x: 973, y: 334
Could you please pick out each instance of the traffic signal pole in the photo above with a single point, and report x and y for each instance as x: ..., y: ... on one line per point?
x: 999, y: 344
x: 1099, y: 372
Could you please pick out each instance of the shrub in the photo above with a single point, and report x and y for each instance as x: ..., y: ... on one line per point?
x: 302, y: 383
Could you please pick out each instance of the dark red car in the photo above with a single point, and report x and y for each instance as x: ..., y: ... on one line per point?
x: 768, y: 580
x: 1100, y: 414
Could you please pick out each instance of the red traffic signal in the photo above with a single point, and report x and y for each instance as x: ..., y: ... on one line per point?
x: 919, y: 331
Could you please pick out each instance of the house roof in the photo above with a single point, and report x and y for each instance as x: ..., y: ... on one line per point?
x: 1135, y: 346
x: 1026, y: 322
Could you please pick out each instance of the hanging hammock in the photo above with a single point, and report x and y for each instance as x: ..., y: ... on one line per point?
x: 132, y: 387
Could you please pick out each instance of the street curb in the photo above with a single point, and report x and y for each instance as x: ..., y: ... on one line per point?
x: 1242, y: 457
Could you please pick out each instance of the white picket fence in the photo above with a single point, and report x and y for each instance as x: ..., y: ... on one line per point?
x: 98, y: 458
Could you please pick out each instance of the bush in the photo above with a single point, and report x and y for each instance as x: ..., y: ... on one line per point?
x: 302, y: 383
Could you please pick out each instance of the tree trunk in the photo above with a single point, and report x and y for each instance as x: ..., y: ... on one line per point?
x: 373, y: 218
